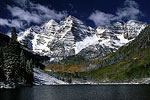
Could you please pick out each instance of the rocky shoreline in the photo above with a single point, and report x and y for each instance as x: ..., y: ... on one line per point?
x: 49, y: 80
x: 13, y: 85
x: 135, y: 81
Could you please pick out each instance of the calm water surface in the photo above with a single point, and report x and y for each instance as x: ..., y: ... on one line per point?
x: 79, y: 92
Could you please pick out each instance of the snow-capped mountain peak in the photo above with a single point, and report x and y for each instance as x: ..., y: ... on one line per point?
x: 50, y: 23
x: 72, y: 20
x: 70, y: 37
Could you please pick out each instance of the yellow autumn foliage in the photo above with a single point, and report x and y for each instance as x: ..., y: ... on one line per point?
x: 73, y: 69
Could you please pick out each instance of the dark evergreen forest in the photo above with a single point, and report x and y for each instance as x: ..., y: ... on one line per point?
x: 15, y: 67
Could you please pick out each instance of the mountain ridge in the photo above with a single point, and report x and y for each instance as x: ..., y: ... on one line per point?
x: 71, y: 37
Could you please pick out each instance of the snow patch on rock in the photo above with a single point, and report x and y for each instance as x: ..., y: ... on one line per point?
x: 91, y: 40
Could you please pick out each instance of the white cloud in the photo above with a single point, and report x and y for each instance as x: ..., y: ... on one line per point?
x: 129, y: 11
x: 24, y: 15
x: 4, y: 22
x: 101, y: 18
x: 35, y: 13
x: 22, y: 3
x: 10, y: 23
x: 47, y: 13
x: 27, y: 12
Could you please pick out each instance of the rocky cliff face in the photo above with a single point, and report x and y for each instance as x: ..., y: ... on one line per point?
x: 71, y: 37
x: 112, y: 37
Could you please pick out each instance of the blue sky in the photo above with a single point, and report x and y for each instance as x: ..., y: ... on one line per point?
x: 25, y: 13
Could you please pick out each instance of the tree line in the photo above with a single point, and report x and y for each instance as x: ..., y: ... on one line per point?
x: 14, y: 66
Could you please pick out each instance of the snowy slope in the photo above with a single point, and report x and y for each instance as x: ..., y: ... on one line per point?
x: 41, y: 78
x: 90, y: 40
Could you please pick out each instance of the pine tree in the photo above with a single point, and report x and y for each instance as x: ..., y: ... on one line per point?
x: 11, y: 64
x: 2, y: 77
x: 29, y: 71
x: 22, y: 67
x: 11, y: 59
x: 22, y: 60
x: 14, y: 35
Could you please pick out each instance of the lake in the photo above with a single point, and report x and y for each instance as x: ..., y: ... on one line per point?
x: 78, y: 92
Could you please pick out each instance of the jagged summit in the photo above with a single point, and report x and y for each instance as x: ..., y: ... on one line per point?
x: 70, y: 37
x: 50, y: 23
x: 72, y: 19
